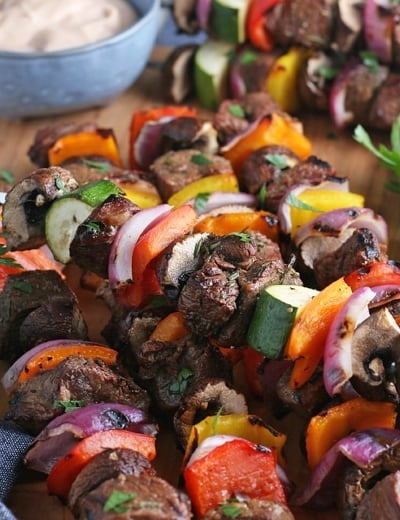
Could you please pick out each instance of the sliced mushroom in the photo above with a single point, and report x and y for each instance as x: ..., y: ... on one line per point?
x: 349, y: 24
x: 314, y: 80
x: 376, y: 357
x: 177, y: 73
x: 27, y: 203
x: 184, y: 12
x: 208, y: 398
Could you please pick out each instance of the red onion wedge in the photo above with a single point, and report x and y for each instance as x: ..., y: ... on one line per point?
x: 203, y: 9
x: 11, y: 375
x: 146, y: 147
x: 120, y: 259
x: 335, y: 184
x: 332, y: 223
x: 205, y: 203
x: 337, y: 98
x: 378, y: 27
x: 66, y: 430
x: 337, y: 366
x: 363, y: 448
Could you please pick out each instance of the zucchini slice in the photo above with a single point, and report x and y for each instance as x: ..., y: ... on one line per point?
x: 228, y: 20
x: 61, y: 223
x: 276, y: 310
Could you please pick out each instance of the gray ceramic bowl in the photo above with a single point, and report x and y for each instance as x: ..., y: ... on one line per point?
x: 49, y: 83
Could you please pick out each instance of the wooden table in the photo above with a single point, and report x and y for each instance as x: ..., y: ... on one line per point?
x: 29, y: 500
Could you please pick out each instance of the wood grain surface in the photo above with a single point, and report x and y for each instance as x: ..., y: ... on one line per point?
x: 30, y: 500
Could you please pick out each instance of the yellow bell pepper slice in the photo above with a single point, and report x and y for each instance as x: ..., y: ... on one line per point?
x: 319, y: 201
x: 250, y: 427
x: 142, y: 199
x: 281, y: 81
x: 219, y: 182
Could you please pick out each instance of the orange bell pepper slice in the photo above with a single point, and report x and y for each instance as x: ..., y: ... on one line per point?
x: 235, y: 467
x: 271, y: 129
x: 328, y: 427
x: 307, y: 338
x: 373, y: 274
x: 225, y: 223
x: 99, y: 142
x: 141, y: 117
x: 152, y: 243
x: 170, y: 328
x: 66, y: 469
x: 256, y: 30
x: 52, y: 357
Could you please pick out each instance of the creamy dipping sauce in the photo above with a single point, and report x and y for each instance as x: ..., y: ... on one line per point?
x: 52, y: 25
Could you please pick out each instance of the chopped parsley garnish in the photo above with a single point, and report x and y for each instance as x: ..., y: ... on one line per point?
x: 292, y: 200
x: 7, y: 260
x: 94, y: 226
x: 370, y: 60
x: 101, y: 167
x: 6, y: 176
x: 237, y: 111
x: 277, y: 159
x: 69, y: 405
x: 327, y: 72
x: 22, y: 286
x: 389, y: 157
x: 59, y: 183
x: 181, y: 384
x: 262, y: 195
x: 215, y: 420
x: 200, y: 159
x: 200, y: 202
x: 248, y: 57
x: 230, y: 508
x: 118, y: 502
x: 244, y: 237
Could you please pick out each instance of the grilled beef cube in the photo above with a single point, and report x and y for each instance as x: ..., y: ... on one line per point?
x: 309, y: 24
x: 385, y: 107
x: 360, y: 249
x: 151, y: 498
x: 179, y: 134
x: 35, y: 402
x: 168, y: 370
x: 235, y: 268
x: 46, y: 137
x: 250, y: 508
x: 254, y: 106
x: 37, y: 306
x: 176, y: 169
x: 91, y: 245
x: 382, y: 501
x: 104, y: 466
x: 260, y: 168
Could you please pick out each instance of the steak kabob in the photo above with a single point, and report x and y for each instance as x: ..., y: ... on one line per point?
x: 186, y: 286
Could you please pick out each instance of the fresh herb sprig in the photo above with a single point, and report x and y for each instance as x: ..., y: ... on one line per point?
x: 389, y: 156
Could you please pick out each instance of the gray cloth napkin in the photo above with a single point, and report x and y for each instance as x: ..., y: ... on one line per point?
x: 13, y: 445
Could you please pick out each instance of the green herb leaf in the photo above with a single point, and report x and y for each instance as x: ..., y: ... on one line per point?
x: 179, y: 387
x: 7, y: 176
x: 94, y: 226
x: 292, y: 200
x: 200, y: 202
x: 59, y: 183
x: 237, y: 111
x: 101, y: 167
x: 248, y: 57
x: 262, y: 195
x: 231, y: 510
x: 200, y: 159
x: 118, y: 501
x: 328, y: 72
x: 69, y: 405
x: 370, y: 60
x: 277, y: 159
x: 9, y: 261
x: 21, y: 285
x: 215, y: 420
x: 244, y: 237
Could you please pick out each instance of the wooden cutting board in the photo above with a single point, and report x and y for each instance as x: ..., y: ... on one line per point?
x: 29, y: 500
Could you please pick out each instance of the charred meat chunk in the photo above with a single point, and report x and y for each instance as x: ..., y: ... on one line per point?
x: 37, y: 306
x: 169, y: 370
x: 176, y: 169
x: 254, y: 105
x: 104, y: 466
x: 247, y: 508
x: 234, y: 268
x: 35, y: 402
x: 385, y: 107
x: 27, y: 203
x: 382, y: 501
x: 360, y: 249
x: 151, y: 498
x: 91, y: 245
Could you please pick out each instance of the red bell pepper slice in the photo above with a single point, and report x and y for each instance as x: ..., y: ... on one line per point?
x: 251, y: 363
x: 66, y: 469
x: 374, y: 274
x: 151, y: 244
x: 256, y: 29
x: 236, y: 467
x: 141, y: 117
